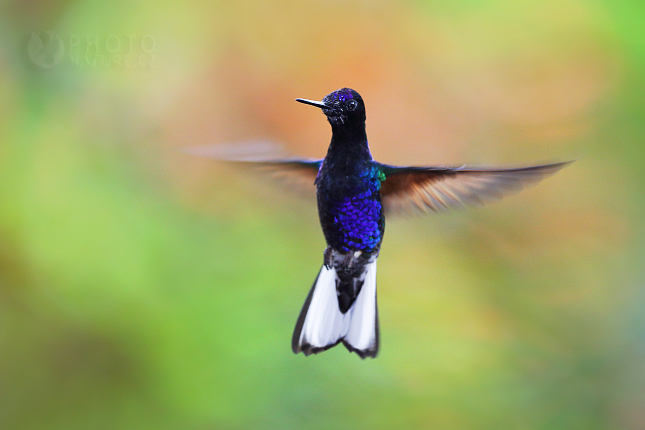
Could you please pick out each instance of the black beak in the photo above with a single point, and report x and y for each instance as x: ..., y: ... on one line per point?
x: 320, y: 105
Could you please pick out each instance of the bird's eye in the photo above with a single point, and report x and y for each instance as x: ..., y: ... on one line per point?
x: 351, y: 105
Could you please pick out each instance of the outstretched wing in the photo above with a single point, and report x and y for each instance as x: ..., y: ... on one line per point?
x: 407, y: 189
x: 293, y: 173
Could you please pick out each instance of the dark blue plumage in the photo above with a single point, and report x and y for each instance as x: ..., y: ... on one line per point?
x: 349, y: 201
x: 349, y: 181
x: 348, y: 187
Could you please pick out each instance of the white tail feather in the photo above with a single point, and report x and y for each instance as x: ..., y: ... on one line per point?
x: 321, y: 324
x: 362, y: 332
x: 324, y: 324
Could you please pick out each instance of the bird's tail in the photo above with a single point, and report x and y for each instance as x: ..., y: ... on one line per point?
x: 321, y: 325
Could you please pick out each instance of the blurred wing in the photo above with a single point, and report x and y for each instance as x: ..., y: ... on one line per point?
x: 296, y: 174
x: 406, y: 189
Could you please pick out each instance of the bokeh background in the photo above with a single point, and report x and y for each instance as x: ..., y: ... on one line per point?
x: 143, y: 288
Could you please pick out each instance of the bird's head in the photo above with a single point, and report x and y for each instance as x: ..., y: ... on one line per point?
x: 344, y: 107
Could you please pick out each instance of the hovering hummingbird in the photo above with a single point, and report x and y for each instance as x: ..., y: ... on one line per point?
x: 354, y: 193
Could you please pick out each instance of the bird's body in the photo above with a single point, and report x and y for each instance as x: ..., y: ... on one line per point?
x: 351, y: 216
x: 348, y: 187
x: 349, y: 201
x: 354, y: 193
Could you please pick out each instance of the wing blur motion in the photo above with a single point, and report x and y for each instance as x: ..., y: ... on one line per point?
x: 436, y: 189
x: 293, y: 173
x: 405, y: 189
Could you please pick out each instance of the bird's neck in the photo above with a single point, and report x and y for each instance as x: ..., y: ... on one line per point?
x: 349, y: 146
x: 349, y: 133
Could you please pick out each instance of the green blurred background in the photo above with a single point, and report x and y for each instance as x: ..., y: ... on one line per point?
x: 142, y: 288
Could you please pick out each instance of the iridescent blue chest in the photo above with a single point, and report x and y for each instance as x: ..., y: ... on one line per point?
x: 350, y: 209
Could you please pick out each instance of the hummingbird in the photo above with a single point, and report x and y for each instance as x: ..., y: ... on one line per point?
x: 354, y: 194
